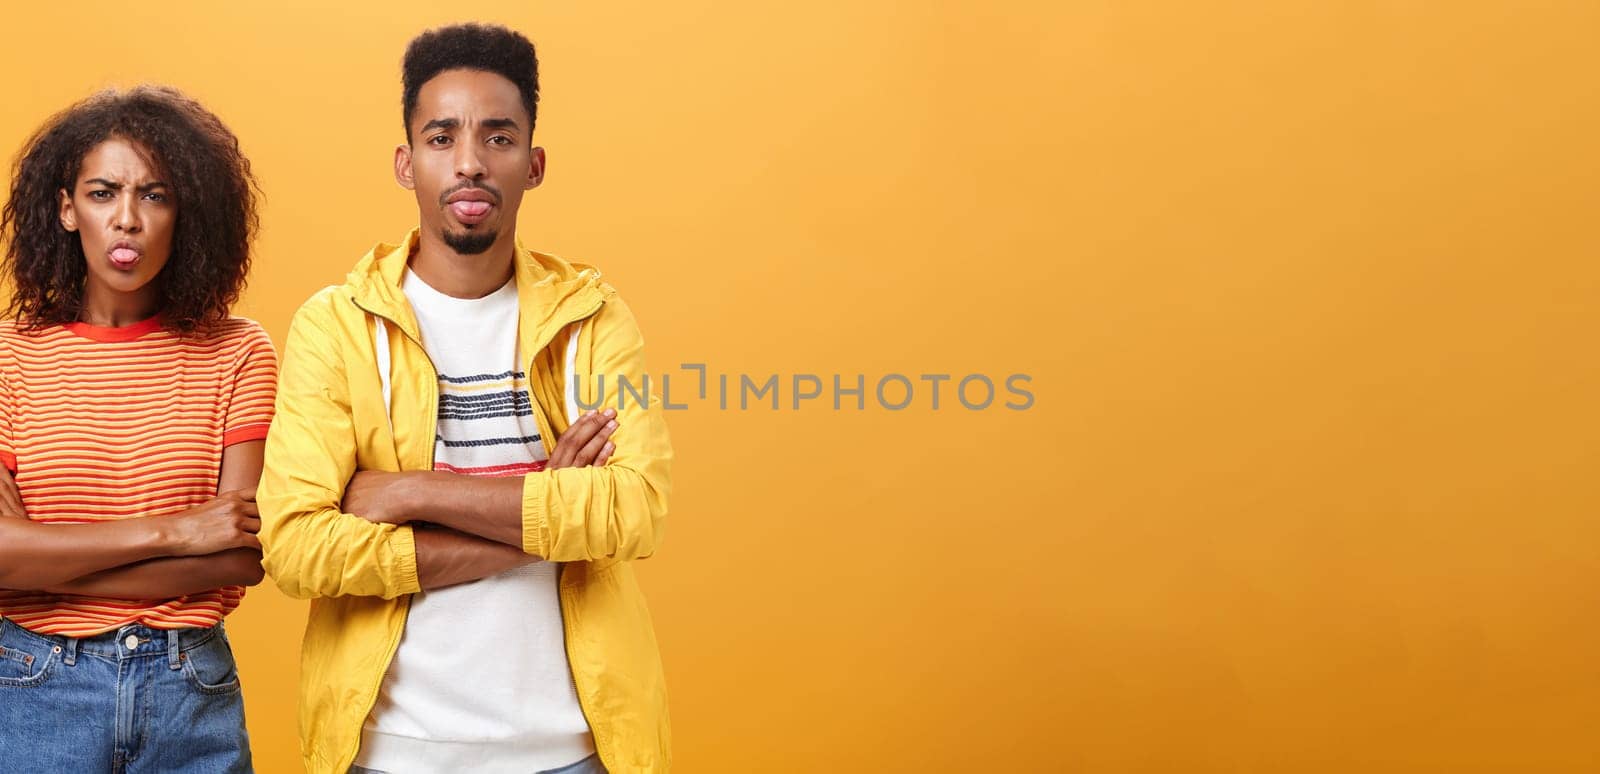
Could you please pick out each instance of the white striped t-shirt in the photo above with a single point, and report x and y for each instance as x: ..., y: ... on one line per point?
x: 481, y: 681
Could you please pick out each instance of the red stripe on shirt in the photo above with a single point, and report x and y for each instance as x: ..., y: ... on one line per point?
x: 514, y: 469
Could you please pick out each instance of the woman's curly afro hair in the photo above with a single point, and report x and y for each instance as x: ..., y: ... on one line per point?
x: 208, y: 176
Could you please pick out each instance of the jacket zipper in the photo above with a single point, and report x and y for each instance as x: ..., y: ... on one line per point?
x: 433, y: 447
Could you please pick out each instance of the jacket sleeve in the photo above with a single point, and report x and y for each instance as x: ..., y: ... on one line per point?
x: 311, y: 548
x: 618, y: 510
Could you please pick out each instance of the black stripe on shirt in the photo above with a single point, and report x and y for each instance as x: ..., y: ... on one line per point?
x: 475, y: 378
x: 477, y: 442
x: 493, y: 413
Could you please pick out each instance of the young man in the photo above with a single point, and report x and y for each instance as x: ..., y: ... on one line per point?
x: 473, y: 606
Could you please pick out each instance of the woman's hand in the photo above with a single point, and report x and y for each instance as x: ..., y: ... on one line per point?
x: 10, y: 497
x: 229, y: 520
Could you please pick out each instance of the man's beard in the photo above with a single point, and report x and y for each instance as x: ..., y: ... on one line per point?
x: 469, y: 242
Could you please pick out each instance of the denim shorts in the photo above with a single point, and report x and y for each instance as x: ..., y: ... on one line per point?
x: 132, y: 700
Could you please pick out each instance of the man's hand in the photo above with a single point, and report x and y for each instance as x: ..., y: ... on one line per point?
x: 10, y: 497
x: 586, y: 442
x: 378, y: 496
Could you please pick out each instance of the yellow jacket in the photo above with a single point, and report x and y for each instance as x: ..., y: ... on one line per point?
x: 332, y: 420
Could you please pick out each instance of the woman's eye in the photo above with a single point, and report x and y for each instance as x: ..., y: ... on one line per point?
x: 156, y: 197
x: 100, y: 195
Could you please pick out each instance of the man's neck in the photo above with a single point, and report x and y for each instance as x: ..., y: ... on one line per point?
x: 464, y: 276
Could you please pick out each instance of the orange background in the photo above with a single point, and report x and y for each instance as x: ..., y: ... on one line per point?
x: 1307, y: 291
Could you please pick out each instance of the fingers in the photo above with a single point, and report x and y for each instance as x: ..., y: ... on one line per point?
x: 246, y: 529
x: 247, y: 495
x: 10, y: 497
x: 605, y: 454
x: 575, y: 437
x: 578, y: 436
x: 238, y: 501
x: 11, y: 503
x: 591, y: 450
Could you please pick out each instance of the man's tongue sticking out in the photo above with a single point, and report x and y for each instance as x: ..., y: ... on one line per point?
x: 469, y: 211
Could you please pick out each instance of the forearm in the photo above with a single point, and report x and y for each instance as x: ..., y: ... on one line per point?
x: 36, y: 556
x: 578, y: 513
x: 489, y: 508
x: 169, y: 577
x: 446, y: 557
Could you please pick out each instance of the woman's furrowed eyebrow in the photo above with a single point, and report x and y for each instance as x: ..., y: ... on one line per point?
x: 146, y: 188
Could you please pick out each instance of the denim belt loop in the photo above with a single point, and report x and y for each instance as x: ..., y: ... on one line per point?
x: 69, y: 650
x: 174, y: 658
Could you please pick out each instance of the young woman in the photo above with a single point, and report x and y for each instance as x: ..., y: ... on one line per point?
x: 133, y: 411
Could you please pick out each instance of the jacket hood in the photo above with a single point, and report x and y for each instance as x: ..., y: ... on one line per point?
x: 552, y: 291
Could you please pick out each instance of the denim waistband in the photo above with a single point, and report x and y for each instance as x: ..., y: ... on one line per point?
x: 132, y: 641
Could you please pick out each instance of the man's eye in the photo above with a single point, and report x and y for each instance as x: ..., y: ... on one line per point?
x: 438, y: 139
x: 500, y: 139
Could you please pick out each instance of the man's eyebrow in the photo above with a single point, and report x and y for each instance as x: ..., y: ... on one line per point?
x: 441, y: 123
x: 500, y: 123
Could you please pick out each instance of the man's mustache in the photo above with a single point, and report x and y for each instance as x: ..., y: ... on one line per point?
x: 444, y: 198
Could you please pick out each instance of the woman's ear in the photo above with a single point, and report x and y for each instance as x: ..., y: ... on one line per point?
x: 69, y: 217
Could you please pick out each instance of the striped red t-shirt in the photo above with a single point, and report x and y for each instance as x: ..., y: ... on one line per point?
x: 101, y: 424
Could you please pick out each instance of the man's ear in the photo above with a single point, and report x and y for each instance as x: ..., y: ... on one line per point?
x: 535, y: 169
x: 69, y: 216
x: 402, y: 167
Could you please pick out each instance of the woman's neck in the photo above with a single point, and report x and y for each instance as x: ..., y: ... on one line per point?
x: 107, y: 308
